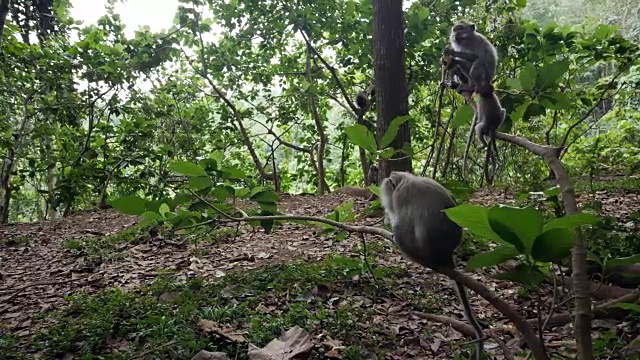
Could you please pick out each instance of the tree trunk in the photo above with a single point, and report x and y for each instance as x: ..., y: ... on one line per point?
x: 392, y: 94
x: 319, y: 125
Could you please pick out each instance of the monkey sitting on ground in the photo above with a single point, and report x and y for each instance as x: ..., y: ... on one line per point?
x: 474, y: 55
x: 423, y: 232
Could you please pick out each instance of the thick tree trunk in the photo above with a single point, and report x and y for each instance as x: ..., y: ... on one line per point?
x: 390, y: 80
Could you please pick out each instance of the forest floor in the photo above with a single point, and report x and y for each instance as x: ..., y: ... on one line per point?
x: 98, y: 284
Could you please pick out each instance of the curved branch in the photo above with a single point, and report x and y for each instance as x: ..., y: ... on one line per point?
x: 333, y: 72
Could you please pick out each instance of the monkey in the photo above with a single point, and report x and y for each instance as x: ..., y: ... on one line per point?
x: 473, y: 54
x: 363, y: 103
x: 423, y: 232
x: 490, y: 116
x: 362, y: 100
x: 454, y: 77
x: 373, y: 174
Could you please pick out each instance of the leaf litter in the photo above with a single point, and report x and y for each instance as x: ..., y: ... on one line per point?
x: 37, y: 271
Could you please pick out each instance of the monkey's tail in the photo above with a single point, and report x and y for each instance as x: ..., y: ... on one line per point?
x: 466, y: 150
x: 471, y: 319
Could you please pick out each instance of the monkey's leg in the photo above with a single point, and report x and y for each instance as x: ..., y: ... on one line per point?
x: 481, y: 77
x: 468, y: 313
x: 480, y: 135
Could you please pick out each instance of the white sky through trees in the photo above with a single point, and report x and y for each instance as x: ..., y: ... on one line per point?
x: 157, y: 14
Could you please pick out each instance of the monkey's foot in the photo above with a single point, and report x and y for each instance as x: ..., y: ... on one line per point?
x: 481, y: 147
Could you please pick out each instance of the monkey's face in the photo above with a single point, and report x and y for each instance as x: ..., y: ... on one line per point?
x: 461, y: 32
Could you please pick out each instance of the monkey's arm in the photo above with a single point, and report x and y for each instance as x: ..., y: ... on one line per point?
x: 470, y: 57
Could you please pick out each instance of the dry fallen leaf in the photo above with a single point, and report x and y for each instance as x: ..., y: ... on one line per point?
x: 295, y: 343
x: 207, y: 355
x: 209, y: 326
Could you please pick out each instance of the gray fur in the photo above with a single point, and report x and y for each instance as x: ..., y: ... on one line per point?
x: 490, y: 117
x: 414, y: 206
x: 464, y: 39
x: 422, y: 231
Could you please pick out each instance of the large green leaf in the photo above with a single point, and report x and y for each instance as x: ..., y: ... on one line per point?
x: 572, y: 221
x: 628, y: 306
x: 200, y: 182
x: 131, y: 205
x: 518, y: 226
x: 524, y: 274
x: 624, y: 261
x: 462, y: 117
x: 187, y: 168
x: 361, y: 136
x: 392, y: 130
x: 553, y: 245
x: 527, y: 77
x: 493, y: 257
x: 266, y: 196
x: 474, y: 218
x: 551, y: 73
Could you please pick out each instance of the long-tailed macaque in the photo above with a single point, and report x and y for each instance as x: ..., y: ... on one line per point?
x: 414, y: 207
x: 372, y: 175
x: 490, y: 117
x: 474, y: 55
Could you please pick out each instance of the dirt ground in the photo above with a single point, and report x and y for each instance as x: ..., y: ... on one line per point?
x: 37, y: 270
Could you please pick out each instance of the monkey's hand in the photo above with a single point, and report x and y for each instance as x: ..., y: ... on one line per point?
x: 481, y: 146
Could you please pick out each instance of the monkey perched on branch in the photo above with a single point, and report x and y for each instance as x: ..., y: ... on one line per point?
x: 414, y: 207
x: 364, y: 100
x: 474, y: 55
x: 475, y: 59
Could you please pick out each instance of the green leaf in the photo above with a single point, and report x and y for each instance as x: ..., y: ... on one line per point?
x: 628, y: 306
x: 527, y: 77
x: 521, y: 3
x: 392, y: 130
x: 150, y: 217
x: 474, y: 218
x: 518, y: 226
x: 221, y: 193
x: 624, y: 261
x: 534, y: 109
x: 164, y: 208
x: 233, y: 173
x: 602, y: 31
x: 200, y: 182
x: 187, y: 168
x: 524, y: 274
x: 513, y: 84
x: 265, y: 196
x: 423, y: 12
x: 553, y: 191
x: 217, y: 155
x: 572, y: 221
x: 463, y: 116
x: 361, y: 136
x: 550, y: 74
x: 494, y: 257
x: 553, y: 245
x: 130, y: 205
